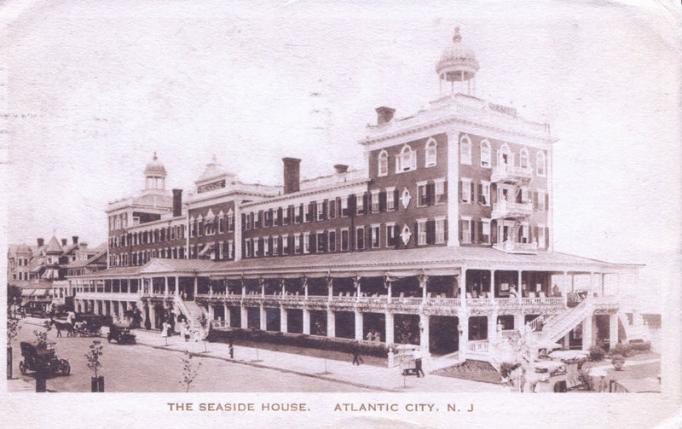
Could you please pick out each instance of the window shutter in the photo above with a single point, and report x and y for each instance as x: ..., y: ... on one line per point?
x: 382, y: 201
x: 461, y: 184
x: 332, y: 208
x: 479, y: 232
x: 365, y: 202
x: 473, y: 192
x: 280, y: 213
x: 368, y: 234
x: 396, y: 199
x: 546, y: 238
x: 445, y: 229
x: 493, y: 195
x: 480, y: 192
x: 546, y: 201
x: 325, y: 209
x: 431, y: 231
x: 493, y: 232
x: 430, y: 193
x: 352, y: 206
x: 461, y: 231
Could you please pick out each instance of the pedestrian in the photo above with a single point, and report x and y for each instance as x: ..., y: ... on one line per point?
x: 357, y: 359
x: 164, y: 331
x: 418, y: 364
x: 231, y: 350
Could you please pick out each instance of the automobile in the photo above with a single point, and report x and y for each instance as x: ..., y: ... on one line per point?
x: 42, y: 360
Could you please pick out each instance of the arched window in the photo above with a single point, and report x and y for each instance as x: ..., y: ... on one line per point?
x: 504, y: 156
x: 407, y: 160
x: 431, y: 158
x: 383, y: 163
x: 541, y: 165
x: 485, y: 154
x: 523, y: 158
x: 465, y: 150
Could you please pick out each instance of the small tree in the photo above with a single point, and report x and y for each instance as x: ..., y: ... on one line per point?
x: 13, y: 328
x: 189, y: 371
x: 93, y: 356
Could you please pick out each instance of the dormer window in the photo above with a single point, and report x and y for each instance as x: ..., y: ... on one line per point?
x: 382, y: 163
x: 485, y: 154
x: 541, y: 164
x: 431, y: 152
x: 407, y: 161
x: 465, y: 150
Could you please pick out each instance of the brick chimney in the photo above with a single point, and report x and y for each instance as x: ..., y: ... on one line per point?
x: 292, y: 175
x: 341, y: 168
x: 64, y: 242
x: 74, y: 238
x: 41, y: 242
x: 177, y: 202
x: 384, y: 114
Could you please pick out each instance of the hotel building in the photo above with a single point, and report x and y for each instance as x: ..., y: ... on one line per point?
x: 443, y: 239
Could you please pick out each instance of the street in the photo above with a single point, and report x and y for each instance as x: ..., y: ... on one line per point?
x: 141, y: 368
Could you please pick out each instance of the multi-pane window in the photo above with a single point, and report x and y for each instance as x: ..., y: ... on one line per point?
x: 306, y: 242
x: 230, y: 250
x: 541, y: 200
x: 256, y: 248
x: 422, y: 194
x: 266, y: 246
x: 345, y: 240
x: 440, y: 230
x: 485, y: 154
x: 465, y: 190
x: 360, y: 237
x: 360, y: 204
x: 297, y: 243
x: 431, y: 153
x: 465, y: 226
x: 375, y: 201
x: 421, y: 232
x: 285, y: 216
x: 298, y: 213
x: 374, y: 231
x: 406, y: 160
x: 275, y: 246
x: 344, y: 207
x: 332, y: 241
x: 439, y: 191
x: 390, y: 199
x: 320, y: 210
x: 485, y: 231
x: 391, y: 234
x: 310, y: 207
x: 484, y: 193
x: 382, y: 162
x: 331, y: 206
x: 523, y: 158
x: 285, y: 244
x: 541, y: 237
x: 465, y: 150
x: 321, y: 239
x: 525, y: 233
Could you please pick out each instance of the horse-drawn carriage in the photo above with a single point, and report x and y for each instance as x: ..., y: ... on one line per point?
x: 42, y: 359
x: 121, y: 334
x: 90, y: 325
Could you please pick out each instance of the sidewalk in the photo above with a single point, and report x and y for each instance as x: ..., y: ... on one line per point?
x: 371, y: 377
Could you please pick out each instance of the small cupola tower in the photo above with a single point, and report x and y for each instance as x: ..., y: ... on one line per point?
x: 155, y: 176
x: 457, y: 68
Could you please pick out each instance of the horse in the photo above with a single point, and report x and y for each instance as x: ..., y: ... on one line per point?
x: 61, y: 326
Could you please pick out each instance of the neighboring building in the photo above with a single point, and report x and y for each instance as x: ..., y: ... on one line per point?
x: 443, y: 239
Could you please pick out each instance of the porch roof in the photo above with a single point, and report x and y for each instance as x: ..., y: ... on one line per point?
x: 406, y: 262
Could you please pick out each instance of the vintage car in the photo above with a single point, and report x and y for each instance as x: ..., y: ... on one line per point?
x: 89, y: 324
x: 42, y: 360
x: 121, y: 334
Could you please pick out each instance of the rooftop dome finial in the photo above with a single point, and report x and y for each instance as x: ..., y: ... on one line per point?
x: 457, y: 37
x: 155, y: 157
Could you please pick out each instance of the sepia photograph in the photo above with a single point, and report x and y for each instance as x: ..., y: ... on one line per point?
x: 380, y: 214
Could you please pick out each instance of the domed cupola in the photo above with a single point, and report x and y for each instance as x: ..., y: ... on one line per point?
x: 214, y: 177
x: 155, y: 175
x: 457, y: 66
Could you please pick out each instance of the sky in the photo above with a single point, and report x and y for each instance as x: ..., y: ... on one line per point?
x: 94, y: 88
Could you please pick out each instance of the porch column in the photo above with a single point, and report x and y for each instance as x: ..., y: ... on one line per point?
x: 283, y: 326
x: 243, y: 288
x: 389, y: 289
x: 152, y: 315
x: 263, y: 319
x: 603, y: 282
x: 283, y: 287
x: 306, y: 321
x: 228, y: 315
x: 587, y: 333
x: 244, y: 316
x: 423, y: 281
x: 613, y: 330
x: 196, y: 286
x: 519, y: 290
x: 389, y: 328
x: 491, y: 287
x: 211, y: 312
x: 330, y: 290
x: 358, y: 325
x: 463, y: 288
x: 492, y: 328
x: 424, y: 334
x: 143, y: 314
x: 463, y: 330
x: 177, y: 286
x: 331, y: 323
x: 165, y: 285
x: 261, y: 283
x: 357, y: 283
x: 518, y: 321
x: 305, y: 287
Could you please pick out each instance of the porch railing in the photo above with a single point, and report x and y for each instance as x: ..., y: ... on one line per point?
x: 478, y: 346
